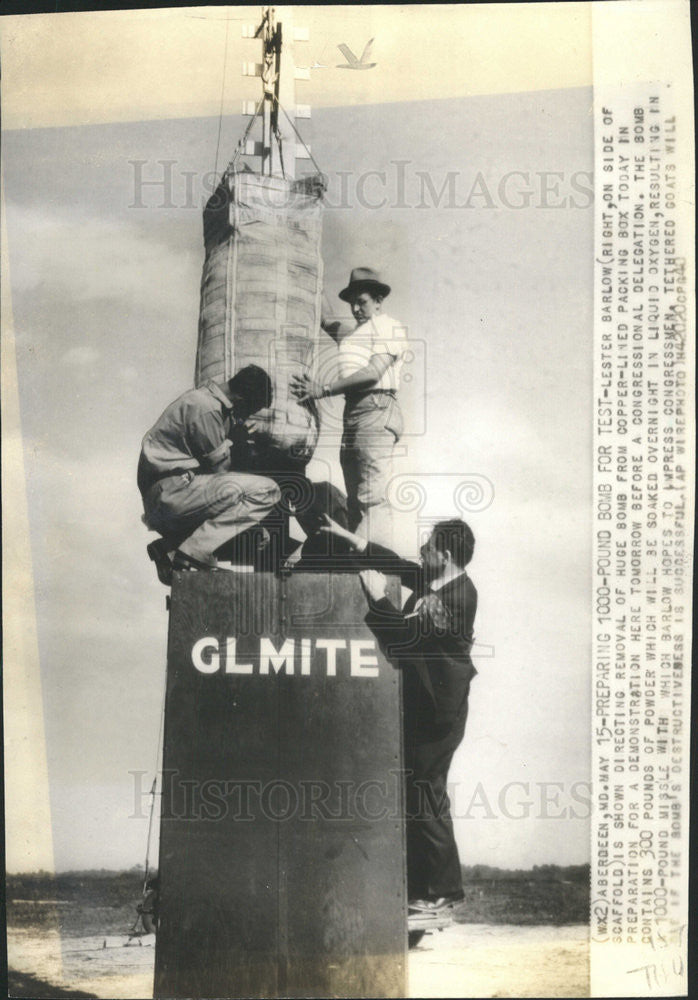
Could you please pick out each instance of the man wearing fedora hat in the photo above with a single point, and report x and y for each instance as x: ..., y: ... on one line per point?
x: 369, y: 359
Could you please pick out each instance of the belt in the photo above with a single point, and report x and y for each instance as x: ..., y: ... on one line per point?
x: 354, y: 397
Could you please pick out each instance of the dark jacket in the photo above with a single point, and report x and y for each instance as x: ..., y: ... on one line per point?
x: 429, y: 640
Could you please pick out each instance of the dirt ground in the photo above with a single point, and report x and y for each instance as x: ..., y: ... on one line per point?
x: 487, y: 960
x: 464, y: 960
x: 89, y: 966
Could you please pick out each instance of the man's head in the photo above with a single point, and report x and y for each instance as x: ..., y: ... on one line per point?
x: 449, y: 546
x: 365, y: 293
x: 366, y: 304
x: 251, y: 389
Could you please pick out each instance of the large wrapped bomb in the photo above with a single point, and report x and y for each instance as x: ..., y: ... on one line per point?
x: 260, y: 299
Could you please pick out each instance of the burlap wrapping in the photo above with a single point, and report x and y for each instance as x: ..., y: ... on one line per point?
x: 260, y: 296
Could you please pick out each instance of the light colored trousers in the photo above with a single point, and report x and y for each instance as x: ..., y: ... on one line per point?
x: 372, y: 427
x: 208, y: 510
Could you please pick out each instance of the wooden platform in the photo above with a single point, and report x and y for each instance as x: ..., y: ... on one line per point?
x: 282, y: 839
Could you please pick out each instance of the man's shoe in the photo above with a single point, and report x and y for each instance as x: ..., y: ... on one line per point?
x: 182, y: 563
x: 418, y: 923
x: 425, y: 905
x: 435, y: 904
x: 157, y: 551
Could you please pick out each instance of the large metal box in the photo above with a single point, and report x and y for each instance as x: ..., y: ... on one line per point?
x: 282, y: 837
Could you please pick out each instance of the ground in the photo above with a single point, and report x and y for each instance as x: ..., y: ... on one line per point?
x: 516, y: 935
x: 505, y: 960
x: 465, y: 960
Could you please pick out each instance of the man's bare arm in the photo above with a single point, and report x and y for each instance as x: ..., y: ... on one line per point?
x: 304, y: 388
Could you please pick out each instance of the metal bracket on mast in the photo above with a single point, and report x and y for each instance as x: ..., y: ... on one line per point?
x: 272, y: 138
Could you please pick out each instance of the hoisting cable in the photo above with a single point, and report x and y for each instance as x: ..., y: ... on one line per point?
x: 146, y: 868
x: 161, y: 728
x: 241, y: 143
x: 220, y: 113
x: 300, y: 137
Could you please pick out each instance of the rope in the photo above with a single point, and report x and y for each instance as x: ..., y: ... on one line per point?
x: 299, y: 136
x: 146, y: 869
x: 220, y: 113
x: 161, y: 728
x: 241, y: 143
x: 277, y: 134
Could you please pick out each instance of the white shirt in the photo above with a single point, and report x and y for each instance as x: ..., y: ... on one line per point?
x: 380, y: 334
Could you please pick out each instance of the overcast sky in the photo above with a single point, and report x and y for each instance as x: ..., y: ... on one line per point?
x: 494, y: 286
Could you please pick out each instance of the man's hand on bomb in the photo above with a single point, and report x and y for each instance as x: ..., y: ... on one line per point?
x: 303, y: 388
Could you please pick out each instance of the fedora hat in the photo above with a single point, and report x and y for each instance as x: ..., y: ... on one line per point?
x: 364, y: 279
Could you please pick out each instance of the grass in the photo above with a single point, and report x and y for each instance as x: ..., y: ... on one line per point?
x: 547, y: 895
x: 79, y: 904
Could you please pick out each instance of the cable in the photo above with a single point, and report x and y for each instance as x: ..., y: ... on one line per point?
x: 242, y: 141
x: 220, y: 113
x: 153, y: 786
x: 293, y: 126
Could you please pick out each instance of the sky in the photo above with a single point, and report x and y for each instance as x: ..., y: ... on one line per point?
x: 482, y: 154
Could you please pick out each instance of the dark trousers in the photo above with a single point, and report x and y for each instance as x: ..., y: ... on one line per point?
x: 433, y: 865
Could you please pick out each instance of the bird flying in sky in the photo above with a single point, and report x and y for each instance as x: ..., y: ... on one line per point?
x: 352, y: 62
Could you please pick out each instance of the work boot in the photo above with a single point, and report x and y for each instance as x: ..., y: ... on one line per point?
x: 158, y: 553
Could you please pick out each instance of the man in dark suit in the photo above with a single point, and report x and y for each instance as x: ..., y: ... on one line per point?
x: 429, y: 640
